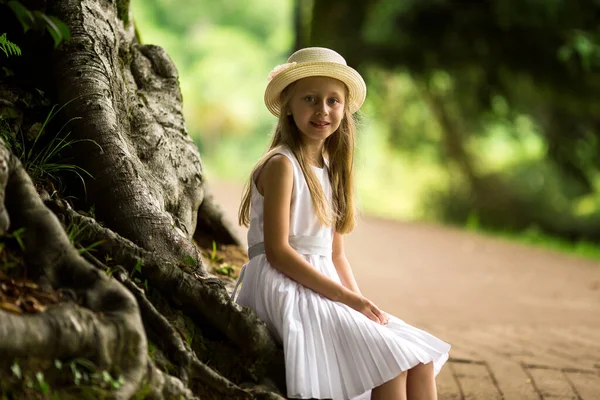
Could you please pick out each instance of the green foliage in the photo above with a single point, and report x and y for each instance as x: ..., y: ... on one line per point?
x: 9, y: 48
x: 38, y: 20
x: 85, y: 371
x: 225, y: 269
x: 214, y: 256
x: 584, y: 46
x: 17, y: 235
x: 137, y: 268
x: 217, y: 262
x: 42, y: 158
x: 82, y: 378
x: 136, y: 275
x: 223, y: 52
x: 75, y: 233
x: 16, y: 370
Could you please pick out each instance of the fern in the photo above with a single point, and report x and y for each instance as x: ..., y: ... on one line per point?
x: 9, y: 48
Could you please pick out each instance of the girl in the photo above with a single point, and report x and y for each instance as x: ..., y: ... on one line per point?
x: 298, y: 204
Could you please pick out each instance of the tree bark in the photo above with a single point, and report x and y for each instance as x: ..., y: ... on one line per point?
x: 147, y: 174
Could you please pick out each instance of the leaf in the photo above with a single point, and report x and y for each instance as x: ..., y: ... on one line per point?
x: 43, y: 385
x: 17, y: 235
x: 57, y: 29
x: 64, y: 29
x: 16, y: 370
x: 91, y: 246
x: 87, y: 364
x: 24, y: 16
x: 118, y: 383
x: 9, y: 48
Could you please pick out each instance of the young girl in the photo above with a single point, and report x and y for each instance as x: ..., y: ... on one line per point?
x: 298, y: 204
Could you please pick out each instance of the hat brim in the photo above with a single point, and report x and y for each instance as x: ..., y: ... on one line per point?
x: 357, y: 89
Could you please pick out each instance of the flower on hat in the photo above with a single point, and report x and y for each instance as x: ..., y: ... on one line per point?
x: 278, y: 69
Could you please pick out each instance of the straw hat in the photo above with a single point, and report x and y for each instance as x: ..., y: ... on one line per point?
x: 314, y: 61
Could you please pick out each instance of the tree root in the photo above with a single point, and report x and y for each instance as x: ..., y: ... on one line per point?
x: 191, y: 368
x: 105, y: 328
x: 204, y: 296
x: 170, y: 341
x: 212, y: 224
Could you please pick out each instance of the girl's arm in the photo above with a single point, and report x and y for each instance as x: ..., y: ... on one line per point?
x: 275, y: 183
x: 342, y: 265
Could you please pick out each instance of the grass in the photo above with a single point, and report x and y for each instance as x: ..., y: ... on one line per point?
x: 45, y: 161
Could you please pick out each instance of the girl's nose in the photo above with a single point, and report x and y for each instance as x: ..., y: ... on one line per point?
x: 322, y: 108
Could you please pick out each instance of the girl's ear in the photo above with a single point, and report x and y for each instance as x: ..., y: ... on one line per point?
x: 289, y: 112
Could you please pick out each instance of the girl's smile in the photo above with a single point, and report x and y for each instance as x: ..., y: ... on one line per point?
x: 320, y: 124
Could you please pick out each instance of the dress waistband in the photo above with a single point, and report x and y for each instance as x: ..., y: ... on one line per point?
x: 313, y: 245
x: 316, y: 245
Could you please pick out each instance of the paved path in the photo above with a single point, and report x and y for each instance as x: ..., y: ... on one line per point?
x: 524, y: 322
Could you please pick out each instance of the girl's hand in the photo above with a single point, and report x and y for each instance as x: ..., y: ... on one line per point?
x: 367, y: 308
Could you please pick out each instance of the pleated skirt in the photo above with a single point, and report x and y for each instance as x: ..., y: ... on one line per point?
x: 331, y: 350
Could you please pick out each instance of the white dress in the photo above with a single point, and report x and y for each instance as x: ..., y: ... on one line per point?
x: 331, y: 351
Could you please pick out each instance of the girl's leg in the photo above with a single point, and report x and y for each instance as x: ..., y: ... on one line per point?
x: 420, y: 383
x: 391, y: 390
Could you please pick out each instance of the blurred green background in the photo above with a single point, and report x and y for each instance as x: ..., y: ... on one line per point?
x: 482, y: 114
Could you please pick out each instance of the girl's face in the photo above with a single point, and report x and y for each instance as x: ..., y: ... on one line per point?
x: 317, y: 106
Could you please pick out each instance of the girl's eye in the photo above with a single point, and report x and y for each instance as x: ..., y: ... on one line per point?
x: 309, y: 98
x: 333, y: 101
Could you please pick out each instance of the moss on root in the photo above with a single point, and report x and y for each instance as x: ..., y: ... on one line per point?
x: 123, y: 11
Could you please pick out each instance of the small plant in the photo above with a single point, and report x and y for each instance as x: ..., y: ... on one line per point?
x: 42, y: 161
x: 89, y: 248
x: 137, y: 279
x: 214, y: 256
x: 45, y: 161
x: 9, y: 48
x: 225, y: 269
x: 111, y: 270
x: 44, y: 387
x: 74, y: 231
x: 84, y: 371
x: 16, y: 234
x: 16, y: 370
x: 137, y: 268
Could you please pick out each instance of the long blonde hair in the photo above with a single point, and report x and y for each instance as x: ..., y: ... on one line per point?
x: 338, y: 148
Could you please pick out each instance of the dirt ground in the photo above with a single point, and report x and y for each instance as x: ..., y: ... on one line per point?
x: 524, y: 322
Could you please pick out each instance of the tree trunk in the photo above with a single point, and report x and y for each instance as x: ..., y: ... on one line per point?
x: 143, y: 304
